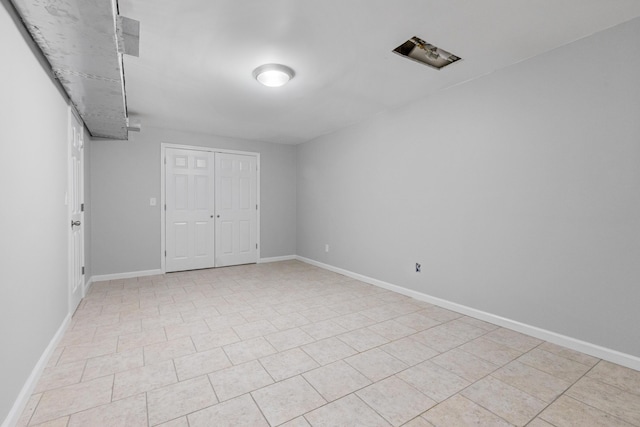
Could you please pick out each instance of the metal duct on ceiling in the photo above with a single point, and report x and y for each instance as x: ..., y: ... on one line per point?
x: 80, y: 39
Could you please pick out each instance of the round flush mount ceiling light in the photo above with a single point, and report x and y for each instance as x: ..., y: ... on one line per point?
x: 273, y: 75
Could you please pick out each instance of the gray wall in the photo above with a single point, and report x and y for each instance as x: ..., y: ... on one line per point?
x: 33, y: 217
x: 125, y: 174
x: 519, y: 193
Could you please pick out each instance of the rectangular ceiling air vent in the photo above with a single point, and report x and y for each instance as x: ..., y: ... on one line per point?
x: 425, y: 53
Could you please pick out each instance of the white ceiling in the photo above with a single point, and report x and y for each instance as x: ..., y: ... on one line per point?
x: 197, y: 56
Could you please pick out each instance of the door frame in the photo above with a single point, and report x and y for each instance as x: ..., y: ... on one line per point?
x: 73, y: 113
x: 163, y: 149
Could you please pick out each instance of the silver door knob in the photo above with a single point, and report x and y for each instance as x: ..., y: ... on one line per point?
x: 75, y: 223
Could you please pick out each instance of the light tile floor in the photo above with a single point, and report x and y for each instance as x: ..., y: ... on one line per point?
x: 291, y: 344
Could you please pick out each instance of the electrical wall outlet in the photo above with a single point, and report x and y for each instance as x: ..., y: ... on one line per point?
x: 418, y: 267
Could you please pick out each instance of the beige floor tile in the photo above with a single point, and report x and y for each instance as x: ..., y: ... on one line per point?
x: 58, y: 422
x: 288, y: 339
x: 28, y: 410
x: 510, y: 403
x: 438, y: 339
x: 607, y: 398
x: 131, y: 411
x: 79, y: 336
x: 215, y: 339
x: 409, y: 351
x: 286, y: 400
x: 293, y: 320
x: 324, y: 329
x: 478, y: 323
x: 259, y: 314
x: 112, y: 363
x: 460, y: 411
x: 395, y: 400
x: 245, y: 351
x: 623, y: 378
x: 362, y: 339
x: 100, y: 347
x: 462, y: 329
x: 55, y: 356
x: 513, y: 339
x: 417, y: 321
x: 241, y: 411
x: 141, y: 339
x: 236, y: 380
x: 145, y: 378
x: 439, y: 313
x: 176, y: 307
x: 348, y: 411
x: 254, y: 329
x: 418, y: 422
x: 336, y: 380
x: 60, y: 376
x: 157, y: 322
x: 328, y: 350
x: 490, y: 351
x: 553, y: 364
x: 567, y: 353
x: 182, y: 330
x: 375, y: 364
x: 178, y: 422
x: 436, y: 382
x: 464, y: 364
x: 354, y: 321
x: 296, y: 422
x: 319, y: 314
x: 167, y: 350
x: 539, y: 422
x: 117, y: 329
x: 288, y: 364
x: 206, y: 362
x: 544, y: 386
x: 568, y: 412
x: 74, y: 398
x: 180, y: 399
x: 225, y: 321
x: 392, y: 330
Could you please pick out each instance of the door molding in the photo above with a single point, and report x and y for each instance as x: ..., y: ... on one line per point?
x: 163, y: 148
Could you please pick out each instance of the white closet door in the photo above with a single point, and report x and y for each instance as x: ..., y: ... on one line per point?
x: 76, y: 212
x: 236, y: 209
x: 189, y: 196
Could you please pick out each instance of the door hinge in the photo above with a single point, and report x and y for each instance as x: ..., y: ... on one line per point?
x: 165, y: 206
x: 83, y: 270
x: 165, y: 254
x: 256, y: 207
x: 82, y: 207
x: 256, y: 246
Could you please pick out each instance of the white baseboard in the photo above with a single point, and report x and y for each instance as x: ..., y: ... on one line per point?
x: 130, y: 275
x: 87, y: 286
x: 600, y: 352
x: 276, y: 259
x: 23, y: 398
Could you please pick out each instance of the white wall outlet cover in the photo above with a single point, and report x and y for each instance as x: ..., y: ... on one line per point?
x: 152, y: 201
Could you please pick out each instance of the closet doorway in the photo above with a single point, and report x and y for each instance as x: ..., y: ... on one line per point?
x: 209, y: 208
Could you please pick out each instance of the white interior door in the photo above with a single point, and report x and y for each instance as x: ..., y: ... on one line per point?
x: 236, y: 209
x: 75, y: 200
x: 189, y: 198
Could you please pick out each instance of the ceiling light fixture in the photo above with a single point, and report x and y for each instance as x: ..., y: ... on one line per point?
x: 273, y: 75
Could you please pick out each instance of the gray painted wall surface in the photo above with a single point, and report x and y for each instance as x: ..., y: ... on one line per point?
x: 33, y: 217
x: 519, y: 193
x: 125, y: 174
